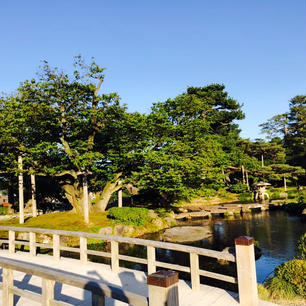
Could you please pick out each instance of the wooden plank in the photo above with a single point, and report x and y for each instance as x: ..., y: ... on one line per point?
x: 151, y: 255
x: 47, y: 291
x: 32, y: 244
x: 99, y: 253
x: 83, y: 250
x: 115, y: 256
x: 56, y: 247
x: 194, y: 271
x: 75, y: 280
x: 11, y: 241
x: 59, y: 303
x: 133, y: 259
x: 7, y: 283
x: 44, y: 245
x: 172, y: 266
x: 218, y: 276
x: 69, y: 249
x: 137, y: 241
x: 26, y: 294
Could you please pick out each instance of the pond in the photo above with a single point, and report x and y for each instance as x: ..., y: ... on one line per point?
x: 276, y: 232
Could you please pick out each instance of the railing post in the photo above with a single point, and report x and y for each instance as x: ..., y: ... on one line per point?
x: 115, y: 256
x: 151, y: 259
x: 83, y: 250
x: 163, y: 288
x: 32, y: 244
x: 194, y: 271
x: 97, y: 300
x: 56, y: 247
x: 246, y: 271
x: 8, y: 281
x: 11, y: 242
x: 47, y: 292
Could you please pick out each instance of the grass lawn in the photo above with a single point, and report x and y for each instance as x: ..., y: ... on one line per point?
x: 64, y: 221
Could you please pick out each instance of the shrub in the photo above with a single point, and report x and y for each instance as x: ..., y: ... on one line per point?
x: 302, y: 197
x: 289, y: 279
x: 238, y: 188
x: 301, y: 247
x: 130, y: 215
x: 245, y: 197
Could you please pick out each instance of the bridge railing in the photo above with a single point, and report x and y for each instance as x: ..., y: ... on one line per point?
x: 244, y: 266
x: 49, y: 276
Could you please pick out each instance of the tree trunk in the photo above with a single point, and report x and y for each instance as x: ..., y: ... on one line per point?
x: 33, y: 195
x: 74, y: 194
x: 285, y: 184
x: 20, y: 189
x: 103, y: 198
x: 262, y: 160
x: 85, y: 199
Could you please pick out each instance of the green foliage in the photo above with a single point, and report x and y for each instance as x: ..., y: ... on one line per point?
x: 238, y: 188
x: 289, y: 279
x: 302, y: 197
x: 3, y: 210
x: 301, y: 247
x: 130, y: 215
x: 245, y: 197
x: 280, y: 288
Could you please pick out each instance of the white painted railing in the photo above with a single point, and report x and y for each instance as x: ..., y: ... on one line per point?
x: 243, y: 267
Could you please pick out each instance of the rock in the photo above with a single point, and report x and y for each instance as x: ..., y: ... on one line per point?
x: 186, y: 234
x: 304, y: 212
x: 123, y: 230
x: 106, y: 230
x: 152, y: 214
x: 158, y: 222
x: 23, y: 236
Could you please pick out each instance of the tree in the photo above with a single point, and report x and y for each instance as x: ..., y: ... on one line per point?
x: 75, y: 132
x: 191, y: 138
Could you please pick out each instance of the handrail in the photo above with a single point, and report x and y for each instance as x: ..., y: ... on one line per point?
x: 121, y: 239
x: 150, y: 261
x: 97, y: 288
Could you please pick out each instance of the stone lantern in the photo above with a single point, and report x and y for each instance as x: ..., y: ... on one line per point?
x: 260, y: 191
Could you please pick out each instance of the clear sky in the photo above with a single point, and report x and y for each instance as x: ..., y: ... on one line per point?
x: 155, y: 49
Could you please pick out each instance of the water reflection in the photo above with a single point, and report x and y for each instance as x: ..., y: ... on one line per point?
x: 277, y: 234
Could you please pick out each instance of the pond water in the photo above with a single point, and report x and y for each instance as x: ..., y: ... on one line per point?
x: 277, y: 234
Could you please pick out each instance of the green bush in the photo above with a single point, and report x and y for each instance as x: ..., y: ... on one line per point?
x: 245, y: 197
x: 289, y: 279
x: 238, y: 188
x: 302, y: 197
x: 3, y: 210
x: 301, y: 247
x: 130, y: 215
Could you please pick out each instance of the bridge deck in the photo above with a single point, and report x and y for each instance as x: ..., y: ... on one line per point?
x: 131, y: 280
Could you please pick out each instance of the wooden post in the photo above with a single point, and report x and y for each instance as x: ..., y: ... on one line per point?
x: 242, y: 171
x: 33, y: 194
x: 11, y: 242
x: 47, y: 292
x: 32, y: 244
x: 115, y: 256
x: 194, y: 270
x: 97, y: 300
x: 163, y: 288
x: 151, y: 256
x: 120, y: 198
x: 85, y: 199
x: 247, y: 179
x: 56, y: 247
x: 246, y: 271
x: 20, y: 189
x: 83, y: 250
x: 7, y: 284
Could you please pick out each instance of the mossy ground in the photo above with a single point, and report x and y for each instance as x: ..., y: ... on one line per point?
x: 64, y: 221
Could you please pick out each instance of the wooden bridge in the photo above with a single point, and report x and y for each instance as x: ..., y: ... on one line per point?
x: 31, y: 279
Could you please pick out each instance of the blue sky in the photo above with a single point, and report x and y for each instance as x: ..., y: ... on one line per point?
x: 155, y: 49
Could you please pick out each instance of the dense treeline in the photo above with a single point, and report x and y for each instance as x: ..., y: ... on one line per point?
x: 187, y: 146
